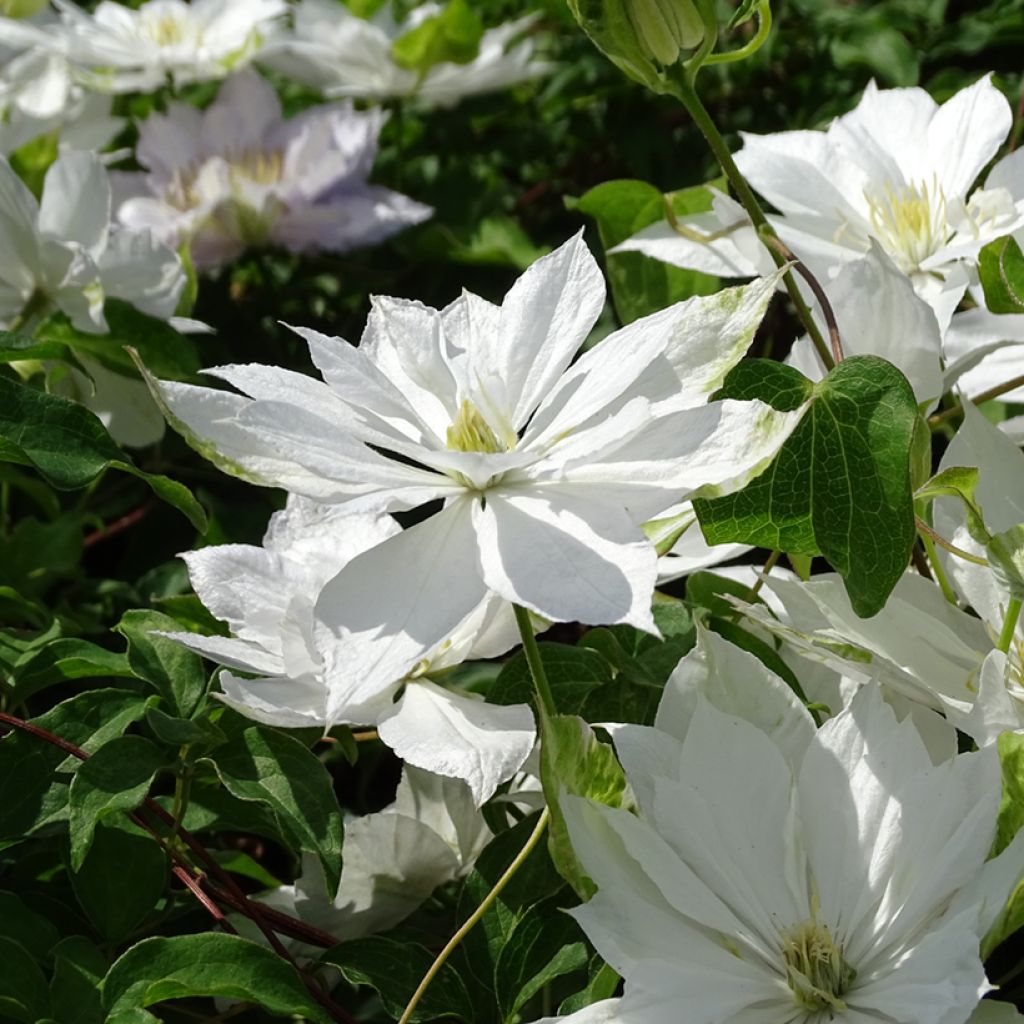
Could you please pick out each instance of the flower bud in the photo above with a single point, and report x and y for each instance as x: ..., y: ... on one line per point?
x: 664, y: 28
x: 21, y: 8
x: 645, y: 38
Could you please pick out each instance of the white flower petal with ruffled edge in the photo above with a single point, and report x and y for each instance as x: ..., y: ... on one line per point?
x: 459, y: 736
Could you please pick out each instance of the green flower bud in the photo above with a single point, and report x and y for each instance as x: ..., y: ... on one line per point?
x: 664, y: 28
x: 21, y: 8
x: 644, y: 38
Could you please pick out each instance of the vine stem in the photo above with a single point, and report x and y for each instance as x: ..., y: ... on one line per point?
x: 1009, y: 624
x: 688, y: 95
x: 924, y: 529
x: 936, y: 568
x: 477, y: 914
x: 192, y: 879
x: 982, y: 396
x: 540, y: 679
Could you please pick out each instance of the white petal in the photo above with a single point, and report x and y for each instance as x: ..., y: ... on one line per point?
x: 76, y: 200
x: 391, y: 606
x: 545, y: 318
x: 459, y: 736
x: 566, y: 557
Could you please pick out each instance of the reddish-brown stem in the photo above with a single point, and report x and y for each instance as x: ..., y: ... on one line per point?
x: 117, y: 526
x: 193, y: 885
x: 181, y: 869
x: 834, y: 340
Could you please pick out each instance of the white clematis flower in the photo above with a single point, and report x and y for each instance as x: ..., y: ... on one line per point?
x: 762, y: 882
x: 119, y: 49
x: 268, y: 594
x: 546, y: 471
x: 239, y: 175
x: 62, y: 252
x: 898, y: 169
x: 39, y: 95
x: 394, y: 859
x: 335, y: 51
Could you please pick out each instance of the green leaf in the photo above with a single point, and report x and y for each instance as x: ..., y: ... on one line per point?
x: 212, y: 965
x: 34, y: 775
x: 116, y: 778
x: 66, y: 659
x: 24, y: 925
x: 451, y: 36
x: 166, y: 352
x: 639, y: 284
x: 602, y: 985
x: 573, y: 673
x: 574, y: 761
x: 544, y: 944
x: 394, y: 970
x: 79, y: 968
x: 1011, y: 808
x: 880, y: 47
x: 184, y: 732
x: 839, y: 486
x: 17, y: 347
x: 24, y: 994
x: 121, y: 879
x: 268, y: 767
x: 173, y: 670
x: 535, y: 880
x: 71, y: 447
x: 782, y: 387
x: 1001, y: 268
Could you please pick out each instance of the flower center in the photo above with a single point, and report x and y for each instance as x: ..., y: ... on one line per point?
x: 815, y: 968
x: 168, y: 29
x: 912, y: 222
x: 470, y: 432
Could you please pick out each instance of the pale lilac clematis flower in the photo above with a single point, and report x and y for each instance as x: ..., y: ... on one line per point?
x: 545, y: 470
x: 238, y: 176
x: 268, y: 596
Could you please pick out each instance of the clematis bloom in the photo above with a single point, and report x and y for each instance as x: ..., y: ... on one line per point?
x: 239, y: 175
x: 341, y: 54
x: 545, y: 471
x: 797, y: 876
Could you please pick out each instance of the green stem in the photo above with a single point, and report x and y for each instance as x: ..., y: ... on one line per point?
x: 764, y: 26
x: 983, y: 396
x: 940, y: 574
x: 477, y: 914
x: 688, y: 95
x: 540, y: 679
x: 1009, y: 624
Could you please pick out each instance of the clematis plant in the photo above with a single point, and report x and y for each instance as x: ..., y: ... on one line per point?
x: 120, y: 49
x: 538, y: 463
x: 63, y: 253
x: 332, y: 49
x: 897, y: 169
x: 268, y: 596
x: 239, y: 175
x: 793, y: 874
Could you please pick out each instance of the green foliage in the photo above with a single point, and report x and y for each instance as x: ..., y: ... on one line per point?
x: 116, y: 778
x: 641, y: 285
x: 452, y: 35
x: 394, y: 969
x: 1001, y: 268
x: 226, y: 966
x: 840, y: 485
x: 268, y: 767
x: 174, y: 671
x: 70, y: 447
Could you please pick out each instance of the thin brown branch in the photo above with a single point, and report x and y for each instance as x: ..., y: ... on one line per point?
x: 835, y: 341
x: 982, y: 396
x: 117, y: 526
